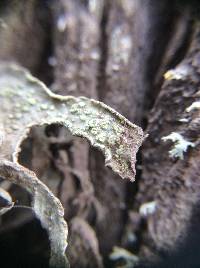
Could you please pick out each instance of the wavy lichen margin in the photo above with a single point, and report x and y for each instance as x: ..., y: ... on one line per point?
x: 46, y: 207
x: 25, y: 102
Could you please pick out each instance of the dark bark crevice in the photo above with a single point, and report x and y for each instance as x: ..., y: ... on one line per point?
x: 103, y: 44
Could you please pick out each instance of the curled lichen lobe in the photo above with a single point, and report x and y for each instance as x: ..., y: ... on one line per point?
x: 34, y: 104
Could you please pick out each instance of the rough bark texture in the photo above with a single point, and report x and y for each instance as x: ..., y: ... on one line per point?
x: 117, y: 52
x: 172, y: 183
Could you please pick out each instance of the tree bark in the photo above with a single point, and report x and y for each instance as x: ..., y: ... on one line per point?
x: 116, y: 52
x: 172, y: 183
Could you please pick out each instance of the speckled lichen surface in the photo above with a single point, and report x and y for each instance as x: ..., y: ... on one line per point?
x: 25, y: 102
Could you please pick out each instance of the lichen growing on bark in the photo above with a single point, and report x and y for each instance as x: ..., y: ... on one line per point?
x: 26, y: 102
x: 35, y: 104
x: 180, y: 145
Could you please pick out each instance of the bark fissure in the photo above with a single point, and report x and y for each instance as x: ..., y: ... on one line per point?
x: 103, y: 44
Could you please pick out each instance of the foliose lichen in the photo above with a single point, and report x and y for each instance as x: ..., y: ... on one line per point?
x: 26, y: 102
x: 181, y: 145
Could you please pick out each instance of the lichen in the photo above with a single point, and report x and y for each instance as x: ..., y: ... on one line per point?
x: 130, y: 260
x: 195, y: 105
x: 35, y: 104
x: 5, y: 201
x: 46, y: 206
x: 148, y: 208
x: 180, y: 73
x: 184, y: 120
x: 87, y: 118
x: 180, y: 145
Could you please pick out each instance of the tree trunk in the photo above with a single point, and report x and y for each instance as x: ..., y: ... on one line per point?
x: 116, y: 52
